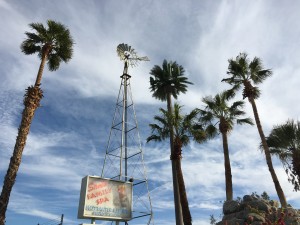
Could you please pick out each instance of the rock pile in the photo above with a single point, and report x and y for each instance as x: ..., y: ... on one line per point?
x: 255, y: 210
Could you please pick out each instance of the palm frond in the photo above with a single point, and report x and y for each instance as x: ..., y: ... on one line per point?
x: 186, y: 126
x: 29, y: 47
x: 168, y: 79
x: 55, y: 41
x: 237, y: 105
x: 53, y: 62
x: 257, y: 72
x: 217, y: 111
x: 241, y: 71
x: 41, y: 30
x: 284, y: 139
x: 154, y: 138
x: 245, y: 120
x: 211, y: 131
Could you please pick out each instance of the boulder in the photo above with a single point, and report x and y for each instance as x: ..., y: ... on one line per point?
x: 230, y: 207
x: 255, y: 210
x: 260, y: 205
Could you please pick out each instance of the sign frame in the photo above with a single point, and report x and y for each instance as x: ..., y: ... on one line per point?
x: 105, y: 199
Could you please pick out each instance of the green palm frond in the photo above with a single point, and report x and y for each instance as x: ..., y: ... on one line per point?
x: 241, y: 70
x: 284, y: 142
x: 234, y: 111
x: 155, y: 126
x: 190, y: 117
x: 186, y: 126
x: 211, y: 130
x: 238, y: 68
x: 29, y: 47
x: 285, y: 137
x: 206, y: 117
x: 160, y: 131
x: 53, y: 62
x: 55, y: 41
x: 34, y: 37
x: 154, y: 138
x: 162, y: 120
x: 185, y: 139
x: 168, y: 79
x: 237, y: 105
x: 41, y: 30
x: 245, y: 120
x: 258, y: 74
x: 217, y: 111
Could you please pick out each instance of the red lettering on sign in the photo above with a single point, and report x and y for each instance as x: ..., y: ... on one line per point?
x: 102, y: 200
x: 94, y: 186
x: 99, y: 193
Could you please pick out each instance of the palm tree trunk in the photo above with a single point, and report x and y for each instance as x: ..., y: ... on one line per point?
x: 31, y: 101
x: 32, y: 98
x: 41, y: 68
x: 177, y: 202
x: 187, y: 218
x: 278, y: 188
x: 228, y: 175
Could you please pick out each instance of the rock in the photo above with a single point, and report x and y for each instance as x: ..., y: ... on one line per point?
x: 257, y: 217
x: 230, y: 207
x: 260, y: 205
x: 290, y: 211
x: 236, y: 222
x: 230, y: 216
x: 258, y: 210
x: 240, y: 215
x: 274, y: 203
x: 233, y: 221
x: 247, y: 198
x: 256, y: 223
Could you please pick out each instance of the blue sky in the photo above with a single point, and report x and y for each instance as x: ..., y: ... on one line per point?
x: 70, y: 131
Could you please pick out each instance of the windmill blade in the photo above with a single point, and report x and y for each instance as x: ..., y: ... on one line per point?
x: 126, y: 52
x: 121, y: 49
x: 133, y: 62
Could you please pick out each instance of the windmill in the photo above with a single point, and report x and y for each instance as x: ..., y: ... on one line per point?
x: 124, y: 156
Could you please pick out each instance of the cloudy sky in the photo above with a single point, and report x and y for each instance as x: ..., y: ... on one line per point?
x: 70, y: 131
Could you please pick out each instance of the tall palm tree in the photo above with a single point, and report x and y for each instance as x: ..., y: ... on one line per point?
x: 53, y: 45
x: 185, y: 128
x: 165, y: 82
x: 284, y: 141
x: 244, y: 73
x: 218, y: 112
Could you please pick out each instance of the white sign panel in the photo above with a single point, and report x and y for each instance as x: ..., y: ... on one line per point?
x: 105, y: 199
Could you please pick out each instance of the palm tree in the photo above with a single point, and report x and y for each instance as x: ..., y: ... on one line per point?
x: 218, y: 112
x: 165, y: 82
x: 284, y: 141
x: 185, y: 128
x: 242, y: 72
x: 53, y: 45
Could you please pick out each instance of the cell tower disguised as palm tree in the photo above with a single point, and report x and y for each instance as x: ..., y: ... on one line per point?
x: 124, y: 155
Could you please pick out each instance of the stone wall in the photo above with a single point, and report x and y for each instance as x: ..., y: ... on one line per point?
x: 255, y: 210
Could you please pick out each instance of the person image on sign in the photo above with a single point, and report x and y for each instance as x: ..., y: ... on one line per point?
x: 121, y: 200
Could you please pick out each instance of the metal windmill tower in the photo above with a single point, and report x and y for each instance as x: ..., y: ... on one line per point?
x: 124, y: 156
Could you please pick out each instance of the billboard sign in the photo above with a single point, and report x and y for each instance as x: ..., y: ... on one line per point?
x: 105, y: 199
